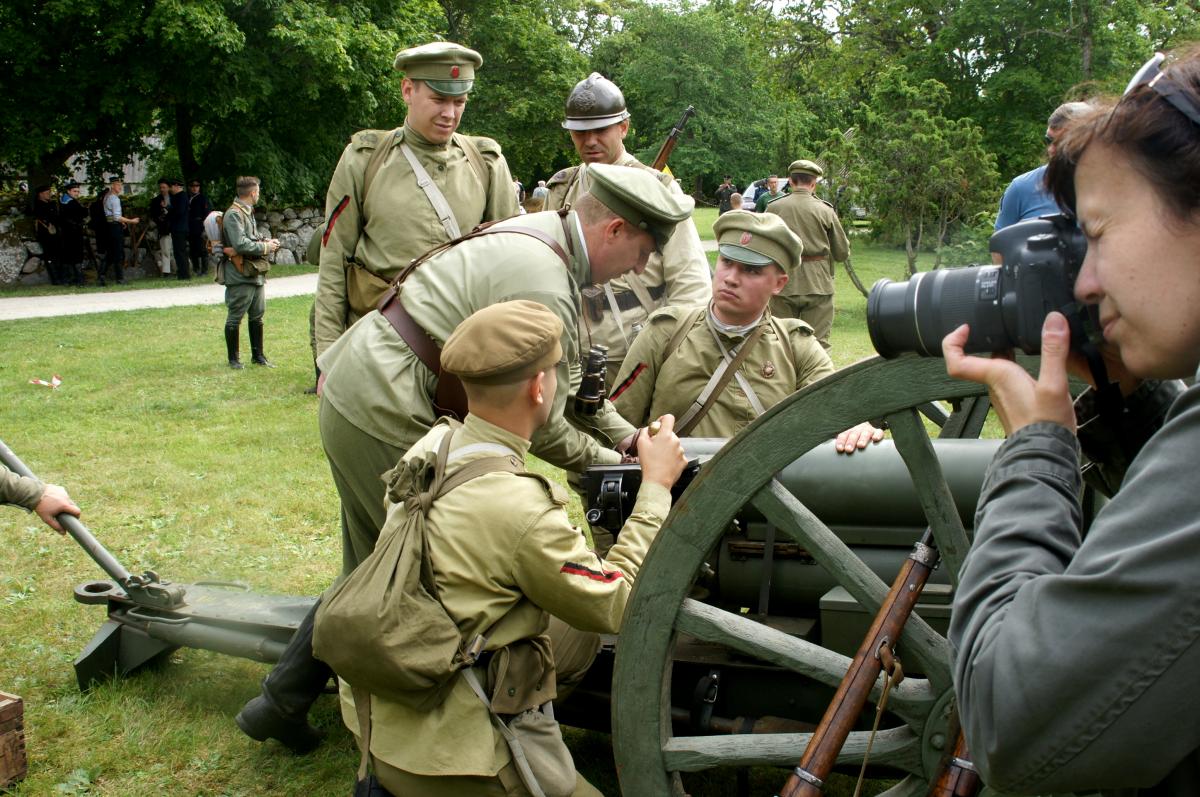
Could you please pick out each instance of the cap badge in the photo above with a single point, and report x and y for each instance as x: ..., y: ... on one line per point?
x: 768, y: 369
x: 454, y: 71
x: 746, y: 238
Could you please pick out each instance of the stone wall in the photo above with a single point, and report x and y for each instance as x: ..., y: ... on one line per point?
x: 20, y: 253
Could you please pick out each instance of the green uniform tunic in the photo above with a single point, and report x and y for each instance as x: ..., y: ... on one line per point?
x: 381, y: 390
x: 19, y: 490
x: 400, y: 222
x: 505, y: 556
x: 679, y: 276
x: 650, y: 384
x: 244, y: 290
x: 809, y: 292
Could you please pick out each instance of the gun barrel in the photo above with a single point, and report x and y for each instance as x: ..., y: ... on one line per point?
x: 79, y: 532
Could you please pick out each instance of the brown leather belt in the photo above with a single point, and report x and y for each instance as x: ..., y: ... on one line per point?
x: 449, y: 397
x: 811, y: 258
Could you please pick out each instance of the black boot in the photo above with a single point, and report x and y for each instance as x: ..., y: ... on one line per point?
x: 231, y: 346
x: 288, y: 692
x: 312, y: 391
x: 256, y: 344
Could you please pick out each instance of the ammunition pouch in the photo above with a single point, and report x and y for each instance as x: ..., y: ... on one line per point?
x: 364, y: 288
x: 595, y: 303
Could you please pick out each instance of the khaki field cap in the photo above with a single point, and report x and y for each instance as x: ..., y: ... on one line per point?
x: 504, y: 343
x: 595, y: 102
x: 757, y: 239
x: 447, y: 68
x: 805, y: 167
x: 639, y: 197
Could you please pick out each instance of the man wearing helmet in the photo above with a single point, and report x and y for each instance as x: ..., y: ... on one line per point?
x: 613, y: 314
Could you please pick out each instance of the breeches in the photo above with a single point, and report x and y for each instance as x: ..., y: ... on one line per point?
x: 356, y: 460
x: 242, y: 298
x: 165, y: 250
x: 815, y: 309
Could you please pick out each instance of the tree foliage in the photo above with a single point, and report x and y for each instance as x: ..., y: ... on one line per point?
x: 924, y: 171
x: 272, y: 88
x: 275, y: 87
x: 667, y: 58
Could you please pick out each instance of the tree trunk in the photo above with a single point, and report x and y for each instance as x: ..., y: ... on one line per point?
x: 854, y: 278
x: 185, y: 142
x: 1086, y: 41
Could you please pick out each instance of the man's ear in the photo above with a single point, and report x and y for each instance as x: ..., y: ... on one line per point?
x: 614, y: 228
x: 780, y: 281
x: 537, y: 388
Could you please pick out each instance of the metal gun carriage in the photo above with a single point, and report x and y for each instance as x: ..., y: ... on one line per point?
x: 748, y: 606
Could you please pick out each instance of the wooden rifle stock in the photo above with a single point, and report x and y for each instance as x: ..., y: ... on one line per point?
x: 959, y: 778
x: 660, y: 160
x: 819, y: 757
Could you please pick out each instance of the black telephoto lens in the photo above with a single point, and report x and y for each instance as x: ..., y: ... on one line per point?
x: 916, y: 315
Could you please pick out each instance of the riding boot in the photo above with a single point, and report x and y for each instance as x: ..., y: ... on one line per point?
x: 256, y: 344
x: 288, y: 692
x: 231, y: 346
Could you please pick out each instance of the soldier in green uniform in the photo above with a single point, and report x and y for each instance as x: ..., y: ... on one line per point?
x: 598, y: 122
x: 378, y: 395
x: 396, y: 194
x: 531, y: 562
x: 809, y: 294
x: 717, y: 367
x: 47, y: 500
x: 245, y: 281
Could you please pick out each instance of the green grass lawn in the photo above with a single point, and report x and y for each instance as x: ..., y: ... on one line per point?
x: 198, y: 472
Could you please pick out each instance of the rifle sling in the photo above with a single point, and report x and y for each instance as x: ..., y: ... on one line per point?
x: 449, y: 398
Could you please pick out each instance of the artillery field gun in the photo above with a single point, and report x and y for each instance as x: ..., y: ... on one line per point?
x: 752, y: 601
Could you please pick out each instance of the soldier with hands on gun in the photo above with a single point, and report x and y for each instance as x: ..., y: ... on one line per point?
x: 1076, y: 656
x: 598, y: 122
x: 505, y: 558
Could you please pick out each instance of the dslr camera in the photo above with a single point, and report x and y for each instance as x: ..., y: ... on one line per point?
x: 1004, y: 305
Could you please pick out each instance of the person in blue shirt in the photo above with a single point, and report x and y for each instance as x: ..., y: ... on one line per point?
x: 1026, y: 196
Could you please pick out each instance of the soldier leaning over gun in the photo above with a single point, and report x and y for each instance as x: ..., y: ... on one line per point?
x: 598, y: 122
x: 809, y: 294
x: 396, y: 194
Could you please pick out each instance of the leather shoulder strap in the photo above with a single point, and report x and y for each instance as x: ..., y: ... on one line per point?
x: 474, y: 157
x: 372, y: 169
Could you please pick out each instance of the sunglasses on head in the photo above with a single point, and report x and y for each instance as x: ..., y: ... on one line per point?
x: 1152, y: 76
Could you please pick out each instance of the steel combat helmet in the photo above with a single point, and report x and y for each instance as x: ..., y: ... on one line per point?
x: 595, y: 102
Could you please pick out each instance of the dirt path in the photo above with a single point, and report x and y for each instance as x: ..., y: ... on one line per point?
x: 109, y: 301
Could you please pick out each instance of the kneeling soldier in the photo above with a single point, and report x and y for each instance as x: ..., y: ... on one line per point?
x: 504, y: 558
x: 719, y: 366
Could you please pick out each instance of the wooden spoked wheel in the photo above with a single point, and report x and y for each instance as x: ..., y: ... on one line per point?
x: 649, y: 757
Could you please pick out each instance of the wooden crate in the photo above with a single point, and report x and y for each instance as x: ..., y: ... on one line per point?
x: 12, y: 740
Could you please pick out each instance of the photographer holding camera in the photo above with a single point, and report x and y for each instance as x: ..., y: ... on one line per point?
x: 1076, y: 657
